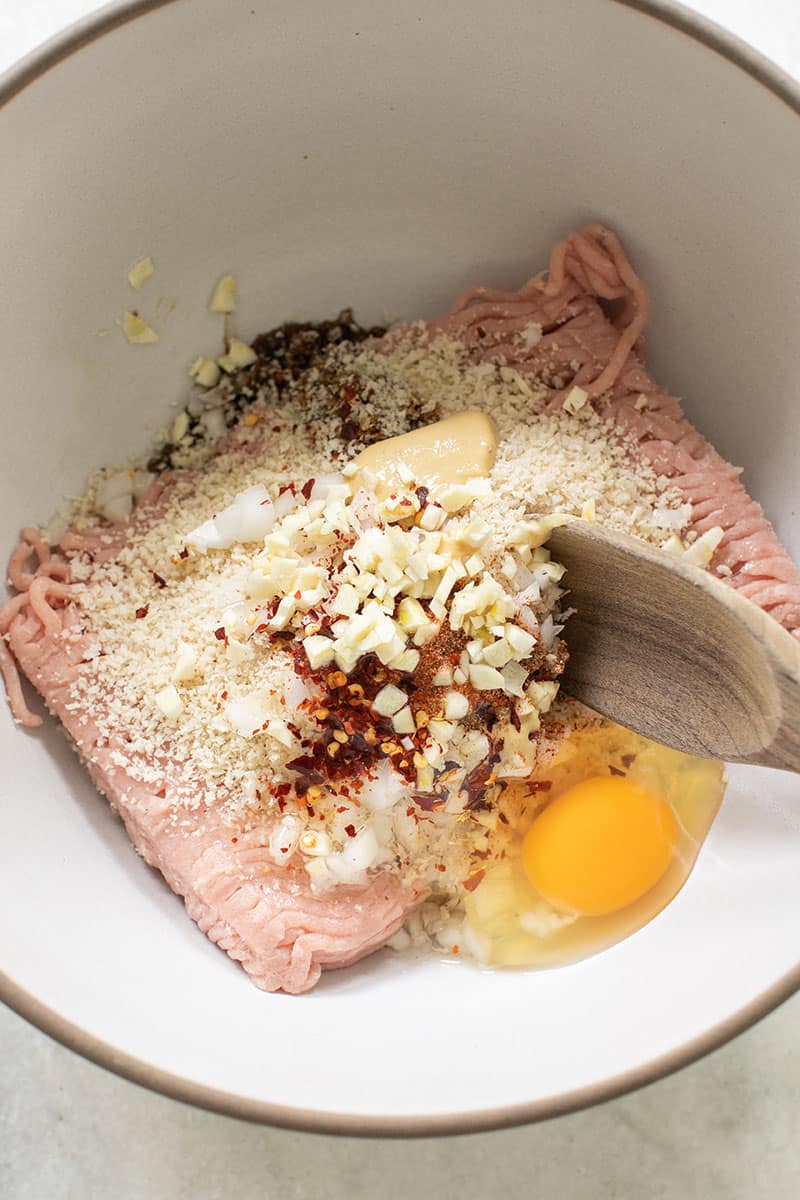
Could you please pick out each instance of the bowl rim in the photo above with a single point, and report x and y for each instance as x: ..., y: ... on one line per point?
x: 20, y: 76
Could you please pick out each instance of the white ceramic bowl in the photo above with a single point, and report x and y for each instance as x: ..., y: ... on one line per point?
x: 383, y: 154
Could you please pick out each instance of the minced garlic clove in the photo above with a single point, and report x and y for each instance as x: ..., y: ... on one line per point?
x: 223, y: 298
x: 185, y: 664
x: 456, y: 706
x: 205, y: 372
x: 389, y: 700
x: 180, y: 427
x: 319, y: 651
x: 702, y: 551
x: 137, y: 331
x: 239, y: 355
x: 140, y: 272
x: 403, y: 721
x: 484, y: 678
x: 169, y: 702
x: 407, y: 661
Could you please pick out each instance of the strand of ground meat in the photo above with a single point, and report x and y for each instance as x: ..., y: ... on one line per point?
x: 554, y: 330
x: 35, y: 589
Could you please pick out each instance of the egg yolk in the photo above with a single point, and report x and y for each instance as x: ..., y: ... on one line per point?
x: 599, y: 846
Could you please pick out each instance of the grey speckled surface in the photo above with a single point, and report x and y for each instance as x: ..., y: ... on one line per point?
x: 727, y: 1128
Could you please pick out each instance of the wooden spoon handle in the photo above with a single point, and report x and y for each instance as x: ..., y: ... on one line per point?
x: 665, y: 648
x: 784, y: 752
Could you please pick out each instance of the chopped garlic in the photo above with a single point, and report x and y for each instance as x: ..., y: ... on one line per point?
x: 345, y: 602
x: 461, y: 495
x: 485, y: 678
x: 403, y: 721
x: 137, y: 331
x: 411, y: 615
x: 702, y: 551
x: 432, y: 518
x: 169, y: 702
x: 456, y: 706
x: 279, y: 730
x: 239, y: 355
x: 442, y: 730
x: 497, y: 654
x: 407, y: 661
x: 180, y: 427
x: 185, y: 664
x: 205, y: 372
x: 673, y: 545
x: 320, y: 651
x: 389, y: 700
x: 140, y: 272
x: 223, y: 299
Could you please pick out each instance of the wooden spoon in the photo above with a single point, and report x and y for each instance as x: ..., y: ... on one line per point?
x: 670, y: 651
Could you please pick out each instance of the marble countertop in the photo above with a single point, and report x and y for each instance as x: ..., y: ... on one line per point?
x: 723, y: 1129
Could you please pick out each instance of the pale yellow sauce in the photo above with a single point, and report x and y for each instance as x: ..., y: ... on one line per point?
x: 447, y: 452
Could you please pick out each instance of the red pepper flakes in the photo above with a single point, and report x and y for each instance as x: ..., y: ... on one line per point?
x: 281, y: 804
x: 184, y: 553
x: 143, y: 611
x: 159, y: 579
x: 470, y: 884
x: 307, y: 488
x: 350, y: 830
x: 220, y: 634
x: 441, y: 867
x: 234, y: 840
x: 342, y: 808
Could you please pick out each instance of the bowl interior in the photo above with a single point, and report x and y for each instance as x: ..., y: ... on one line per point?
x: 382, y: 157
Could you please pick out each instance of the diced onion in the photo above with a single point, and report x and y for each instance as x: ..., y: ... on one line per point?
x: 248, y: 519
x: 385, y: 789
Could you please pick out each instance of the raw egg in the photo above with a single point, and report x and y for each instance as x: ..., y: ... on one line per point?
x: 599, y: 846
x: 590, y: 848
